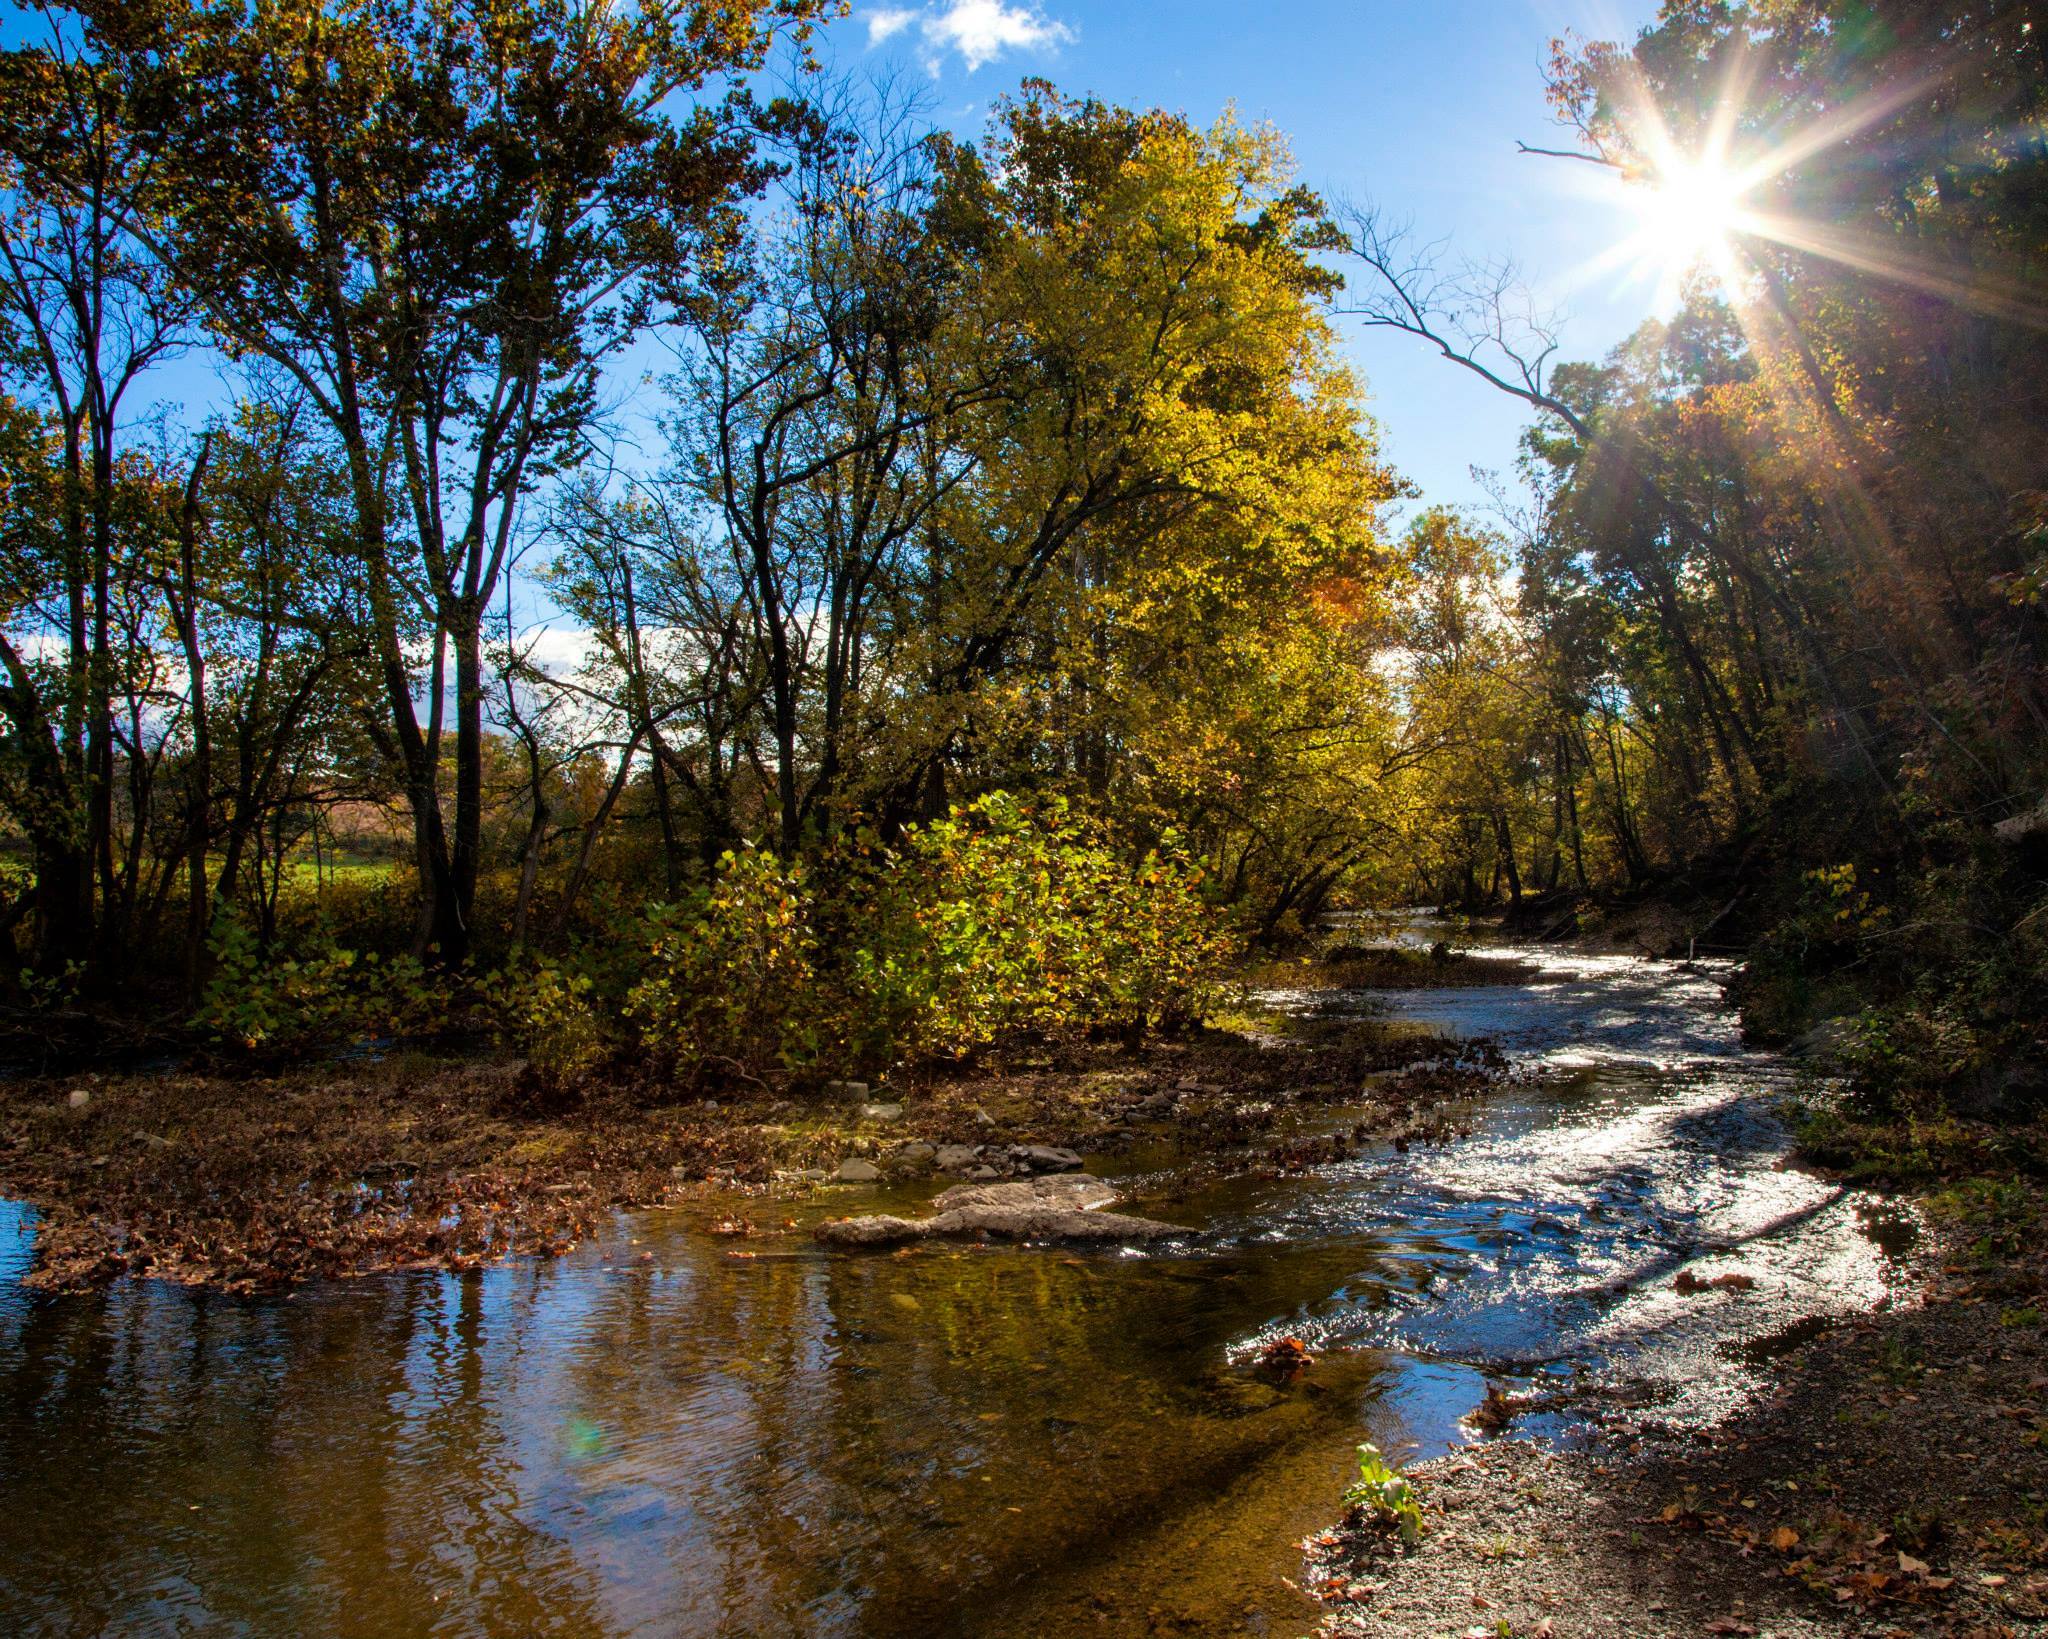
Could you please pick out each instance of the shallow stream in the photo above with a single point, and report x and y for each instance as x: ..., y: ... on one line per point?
x: 654, y: 1436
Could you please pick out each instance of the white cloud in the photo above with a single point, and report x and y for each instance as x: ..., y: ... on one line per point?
x: 979, y: 30
x: 888, y: 22
x: 982, y: 30
x: 560, y: 651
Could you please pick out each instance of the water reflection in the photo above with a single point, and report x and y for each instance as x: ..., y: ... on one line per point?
x: 950, y: 1441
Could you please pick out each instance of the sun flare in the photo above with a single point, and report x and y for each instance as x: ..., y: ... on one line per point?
x: 1689, y: 213
x: 1702, y: 203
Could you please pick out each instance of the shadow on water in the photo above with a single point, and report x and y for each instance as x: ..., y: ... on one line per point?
x: 657, y: 1436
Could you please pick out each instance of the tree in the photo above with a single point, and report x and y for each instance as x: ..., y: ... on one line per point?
x: 87, y: 314
x: 440, y: 222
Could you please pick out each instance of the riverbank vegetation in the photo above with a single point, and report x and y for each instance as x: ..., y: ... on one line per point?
x: 594, y: 617
x: 979, y: 606
x: 578, y: 530
x: 1774, y: 650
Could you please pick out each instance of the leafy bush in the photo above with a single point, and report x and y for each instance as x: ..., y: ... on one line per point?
x: 324, y: 993
x: 1004, y: 918
x: 1908, y: 1047
x: 729, y: 975
x: 999, y: 919
x: 363, y: 907
x: 547, y: 1012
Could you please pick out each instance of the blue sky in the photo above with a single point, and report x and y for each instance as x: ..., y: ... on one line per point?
x: 1415, y: 104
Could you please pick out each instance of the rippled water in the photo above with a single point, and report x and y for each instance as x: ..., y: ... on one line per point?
x: 655, y: 1437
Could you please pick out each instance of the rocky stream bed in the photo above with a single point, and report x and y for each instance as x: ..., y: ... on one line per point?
x: 709, y: 1419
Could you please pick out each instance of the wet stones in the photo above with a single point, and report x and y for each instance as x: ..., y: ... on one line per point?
x: 879, y: 1230
x: 853, y: 1170
x: 1077, y: 1191
x: 984, y: 1162
x: 1056, y: 1208
x: 1043, y: 1158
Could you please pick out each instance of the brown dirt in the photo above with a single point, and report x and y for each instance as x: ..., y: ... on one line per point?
x: 344, y: 1169
x: 1896, y: 1483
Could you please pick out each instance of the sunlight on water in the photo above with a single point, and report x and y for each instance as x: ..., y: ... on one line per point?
x: 955, y: 1441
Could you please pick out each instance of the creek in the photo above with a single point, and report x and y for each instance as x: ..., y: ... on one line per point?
x: 654, y: 1436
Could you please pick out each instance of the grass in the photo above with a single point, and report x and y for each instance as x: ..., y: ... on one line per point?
x: 327, y: 872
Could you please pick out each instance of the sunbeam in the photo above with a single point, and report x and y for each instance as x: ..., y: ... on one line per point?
x: 1696, y: 207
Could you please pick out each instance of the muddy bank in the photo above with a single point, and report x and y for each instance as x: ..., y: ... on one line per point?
x: 1892, y: 1481
x: 348, y: 1169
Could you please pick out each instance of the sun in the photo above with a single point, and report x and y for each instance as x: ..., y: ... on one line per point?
x: 1709, y: 202
x: 1690, y: 212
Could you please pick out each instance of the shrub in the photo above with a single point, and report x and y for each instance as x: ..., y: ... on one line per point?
x: 1004, y: 918
x: 546, y: 1011
x: 324, y: 993
x: 729, y: 977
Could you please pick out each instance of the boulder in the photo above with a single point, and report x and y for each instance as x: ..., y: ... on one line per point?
x: 1075, y: 1191
x: 956, y: 1158
x: 1043, y: 1158
x: 1825, y: 1040
x: 853, y: 1170
x: 880, y: 1230
x: 1063, y: 1208
x: 914, y: 1152
x: 2023, y: 827
x: 1050, y: 1223
x: 2015, y: 1094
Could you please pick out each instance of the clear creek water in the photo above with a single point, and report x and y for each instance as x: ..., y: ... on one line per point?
x: 951, y: 1442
